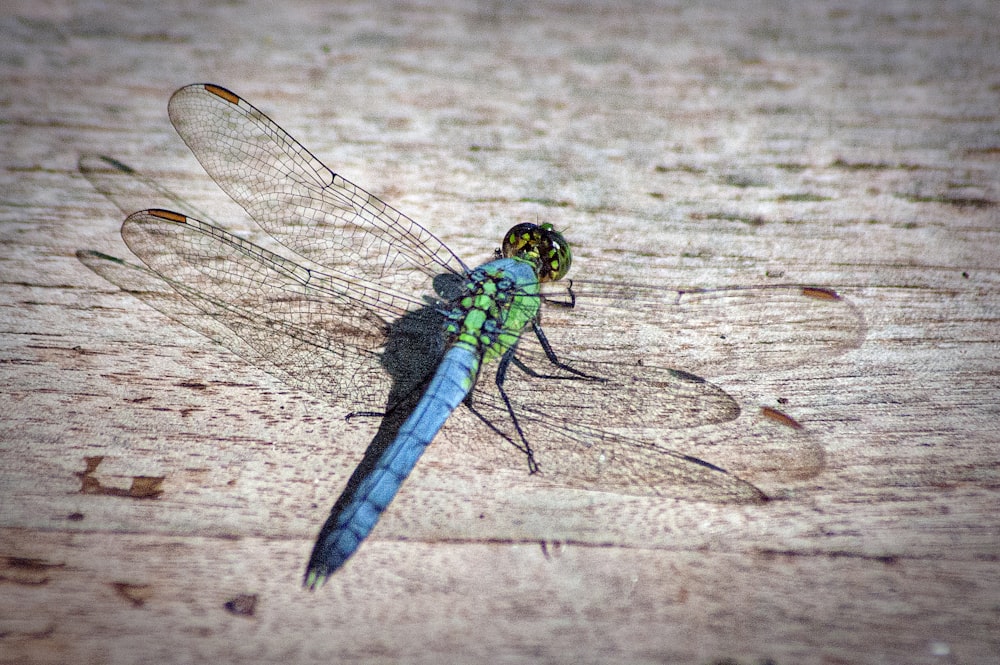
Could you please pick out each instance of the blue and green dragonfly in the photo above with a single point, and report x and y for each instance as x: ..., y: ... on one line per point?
x: 377, y: 315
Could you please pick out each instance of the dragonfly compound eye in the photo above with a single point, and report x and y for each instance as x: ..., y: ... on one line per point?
x: 541, y: 245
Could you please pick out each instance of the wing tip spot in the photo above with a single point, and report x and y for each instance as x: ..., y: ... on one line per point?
x: 221, y: 92
x: 168, y: 215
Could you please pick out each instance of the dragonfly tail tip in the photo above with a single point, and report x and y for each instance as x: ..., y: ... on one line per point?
x: 315, y: 578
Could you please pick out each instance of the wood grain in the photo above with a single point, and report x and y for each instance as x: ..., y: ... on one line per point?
x: 159, y: 496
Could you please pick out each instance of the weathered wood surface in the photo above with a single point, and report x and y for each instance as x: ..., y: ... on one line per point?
x: 853, y: 146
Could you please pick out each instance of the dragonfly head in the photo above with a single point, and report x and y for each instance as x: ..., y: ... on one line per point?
x: 540, y: 245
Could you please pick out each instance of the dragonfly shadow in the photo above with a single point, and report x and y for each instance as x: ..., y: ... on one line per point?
x: 404, y: 353
x: 414, y: 346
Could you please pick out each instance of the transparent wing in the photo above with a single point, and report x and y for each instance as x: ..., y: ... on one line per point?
x: 300, y: 202
x: 715, y: 331
x: 316, y: 331
x: 624, y: 434
x: 643, y: 427
x: 641, y: 430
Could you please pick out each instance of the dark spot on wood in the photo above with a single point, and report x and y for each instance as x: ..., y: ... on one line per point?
x: 137, y: 594
x: 29, y: 563
x: 142, y: 487
x: 194, y: 385
x: 242, y: 605
x: 145, y: 487
x: 956, y: 201
x: 27, y: 571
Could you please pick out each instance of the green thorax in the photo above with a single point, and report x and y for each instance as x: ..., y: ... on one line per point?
x: 500, y: 299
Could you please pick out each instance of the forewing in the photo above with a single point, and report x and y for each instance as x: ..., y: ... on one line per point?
x: 711, y: 332
x: 300, y: 202
x: 315, y: 331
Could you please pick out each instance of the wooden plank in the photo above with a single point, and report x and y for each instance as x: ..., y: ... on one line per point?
x: 685, y: 146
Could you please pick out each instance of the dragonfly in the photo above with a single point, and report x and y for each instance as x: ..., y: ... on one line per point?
x: 355, y: 302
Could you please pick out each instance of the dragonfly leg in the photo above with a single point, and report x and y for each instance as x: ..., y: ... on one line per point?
x: 364, y: 414
x: 577, y: 374
x: 501, y: 376
x: 568, y: 304
x: 499, y: 432
x: 551, y: 355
